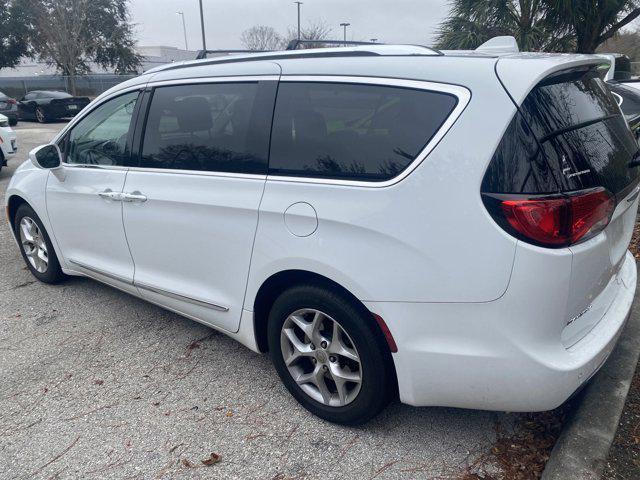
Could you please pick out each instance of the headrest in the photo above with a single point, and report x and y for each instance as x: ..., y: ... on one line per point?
x: 194, y: 114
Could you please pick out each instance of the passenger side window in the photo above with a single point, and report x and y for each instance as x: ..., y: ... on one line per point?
x: 217, y: 127
x: 100, y: 138
x: 352, y: 131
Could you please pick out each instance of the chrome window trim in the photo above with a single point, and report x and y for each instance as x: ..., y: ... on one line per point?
x: 140, y: 87
x: 184, y: 298
x: 222, y: 79
x: 461, y: 93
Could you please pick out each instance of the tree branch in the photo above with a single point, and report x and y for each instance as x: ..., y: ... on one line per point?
x: 618, y: 25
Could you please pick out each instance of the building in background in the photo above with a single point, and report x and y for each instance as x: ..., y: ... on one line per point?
x: 153, y: 56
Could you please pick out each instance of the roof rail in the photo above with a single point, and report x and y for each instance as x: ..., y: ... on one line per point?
x: 202, y: 54
x: 294, y: 44
x: 355, y: 51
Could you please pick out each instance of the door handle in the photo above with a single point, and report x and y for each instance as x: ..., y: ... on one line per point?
x: 109, y: 194
x: 134, y: 197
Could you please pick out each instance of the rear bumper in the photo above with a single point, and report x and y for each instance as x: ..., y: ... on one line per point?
x: 501, y: 355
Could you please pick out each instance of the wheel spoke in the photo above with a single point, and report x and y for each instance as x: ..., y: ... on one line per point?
x: 322, y: 385
x: 338, y: 346
x: 26, y: 231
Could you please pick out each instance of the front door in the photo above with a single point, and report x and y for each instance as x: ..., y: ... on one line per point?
x: 83, y: 200
x: 192, y: 205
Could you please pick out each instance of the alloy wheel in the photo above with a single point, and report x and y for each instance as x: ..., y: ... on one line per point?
x: 321, y: 357
x: 34, y: 245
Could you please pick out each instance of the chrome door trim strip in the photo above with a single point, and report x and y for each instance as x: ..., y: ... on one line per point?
x: 177, y: 296
x: 98, y: 271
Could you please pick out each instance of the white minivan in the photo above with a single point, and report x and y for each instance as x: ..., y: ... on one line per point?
x: 450, y: 228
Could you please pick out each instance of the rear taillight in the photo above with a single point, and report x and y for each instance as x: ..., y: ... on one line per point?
x: 553, y: 220
x: 12, y: 101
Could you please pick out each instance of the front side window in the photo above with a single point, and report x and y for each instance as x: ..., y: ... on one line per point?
x: 352, y: 131
x: 101, y: 137
x: 217, y: 127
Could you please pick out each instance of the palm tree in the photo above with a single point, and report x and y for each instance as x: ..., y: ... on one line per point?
x: 472, y: 22
x: 538, y: 25
x: 593, y: 21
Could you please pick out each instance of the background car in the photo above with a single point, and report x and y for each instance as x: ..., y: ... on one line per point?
x: 8, y: 145
x: 9, y: 108
x: 629, y: 101
x: 44, y: 106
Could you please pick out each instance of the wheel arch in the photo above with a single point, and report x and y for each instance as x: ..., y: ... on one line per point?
x: 278, y: 282
x: 13, y: 204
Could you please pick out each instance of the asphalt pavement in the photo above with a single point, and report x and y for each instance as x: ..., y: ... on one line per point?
x: 95, y: 383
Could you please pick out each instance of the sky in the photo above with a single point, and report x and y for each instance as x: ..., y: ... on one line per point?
x: 391, y: 21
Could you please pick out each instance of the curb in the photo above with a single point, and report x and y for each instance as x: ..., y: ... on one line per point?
x: 582, y: 450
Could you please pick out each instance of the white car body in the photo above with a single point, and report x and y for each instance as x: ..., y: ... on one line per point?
x: 8, y: 139
x: 481, y: 319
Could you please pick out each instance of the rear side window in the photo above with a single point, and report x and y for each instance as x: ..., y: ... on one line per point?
x: 576, y: 128
x: 582, y: 131
x: 352, y: 131
x: 218, y: 127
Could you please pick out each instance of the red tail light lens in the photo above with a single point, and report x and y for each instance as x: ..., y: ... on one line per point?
x: 557, y: 220
x: 12, y: 101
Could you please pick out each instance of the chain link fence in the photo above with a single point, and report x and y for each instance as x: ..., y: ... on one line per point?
x: 86, y: 85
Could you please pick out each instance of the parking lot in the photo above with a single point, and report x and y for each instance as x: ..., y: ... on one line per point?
x: 96, y: 383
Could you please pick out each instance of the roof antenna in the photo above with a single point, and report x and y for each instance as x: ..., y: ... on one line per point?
x: 504, y: 44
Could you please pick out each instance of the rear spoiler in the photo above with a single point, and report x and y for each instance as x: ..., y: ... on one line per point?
x: 519, y: 74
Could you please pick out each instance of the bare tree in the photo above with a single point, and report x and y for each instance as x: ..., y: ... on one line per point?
x: 316, y: 30
x: 627, y: 43
x: 261, y: 37
x: 73, y: 34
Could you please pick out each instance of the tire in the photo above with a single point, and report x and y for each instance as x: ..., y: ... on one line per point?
x: 41, y: 117
x: 359, y: 402
x: 51, y: 273
x: 13, y: 121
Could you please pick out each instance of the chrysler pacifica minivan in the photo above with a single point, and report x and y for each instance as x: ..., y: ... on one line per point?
x: 446, y: 227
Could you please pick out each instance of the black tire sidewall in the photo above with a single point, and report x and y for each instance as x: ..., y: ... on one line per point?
x: 376, y: 389
x: 53, y: 274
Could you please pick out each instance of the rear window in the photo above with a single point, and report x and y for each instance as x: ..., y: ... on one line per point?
x: 582, y: 131
x: 352, y: 131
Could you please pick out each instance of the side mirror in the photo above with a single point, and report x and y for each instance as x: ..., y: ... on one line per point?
x: 46, y: 156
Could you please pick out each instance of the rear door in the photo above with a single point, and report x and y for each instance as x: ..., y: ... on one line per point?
x: 587, y: 143
x: 193, y: 201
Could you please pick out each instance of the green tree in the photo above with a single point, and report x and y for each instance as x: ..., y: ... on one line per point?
x: 13, y: 41
x: 593, y: 21
x: 473, y: 22
x: 538, y: 25
x: 72, y: 34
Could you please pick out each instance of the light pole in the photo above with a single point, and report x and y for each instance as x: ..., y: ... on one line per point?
x: 298, y: 3
x: 204, y: 40
x: 184, y: 29
x: 345, y: 25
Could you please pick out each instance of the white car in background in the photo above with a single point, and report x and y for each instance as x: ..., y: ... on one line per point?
x: 8, y: 141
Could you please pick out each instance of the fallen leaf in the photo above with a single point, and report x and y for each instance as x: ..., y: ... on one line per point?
x: 187, y: 463
x: 98, y: 382
x: 212, y: 460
